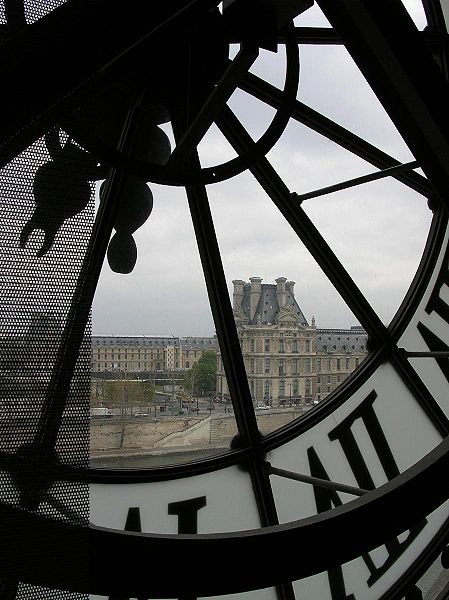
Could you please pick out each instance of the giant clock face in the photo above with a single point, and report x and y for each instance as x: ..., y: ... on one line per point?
x: 348, y: 501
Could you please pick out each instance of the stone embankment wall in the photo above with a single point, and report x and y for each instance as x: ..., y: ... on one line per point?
x: 146, y: 434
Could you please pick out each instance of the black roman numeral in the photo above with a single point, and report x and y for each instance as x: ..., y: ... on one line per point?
x: 132, y: 524
x: 325, y: 499
x: 435, y: 344
x: 441, y: 308
x: 435, y: 302
x: 187, y: 511
x: 413, y: 593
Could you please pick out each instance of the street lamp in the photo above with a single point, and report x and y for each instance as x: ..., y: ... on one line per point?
x: 174, y: 368
x: 193, y: 384
x: 154, y: 391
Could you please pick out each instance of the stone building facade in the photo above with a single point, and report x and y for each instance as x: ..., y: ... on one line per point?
x: 147, y: 354
x: 287, y: 360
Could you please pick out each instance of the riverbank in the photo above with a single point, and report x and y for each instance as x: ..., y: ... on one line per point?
x: 135, y: 459
x: 148, y: 436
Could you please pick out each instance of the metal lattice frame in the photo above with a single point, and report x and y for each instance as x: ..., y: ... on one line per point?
x: 404, y: 75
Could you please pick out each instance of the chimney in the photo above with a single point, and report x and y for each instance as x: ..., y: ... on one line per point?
x: 256, y: 290
x: 237, y: 296
x: 280, y: 291
x: 290, y: 287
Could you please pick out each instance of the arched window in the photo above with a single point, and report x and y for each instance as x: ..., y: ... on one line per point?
x: 295, y: 389
x: 282, y: 389
x: 266, y: 389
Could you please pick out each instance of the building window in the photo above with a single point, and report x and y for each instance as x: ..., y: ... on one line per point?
x: 295, y: 388
x: 252, y: 345
x: 357, y: 362
x: 338, y: 364
x: 295, y: 366
x: 318, y: 365
x: 267, y: 365
x: 281, y: 366
x: 282, y: 389
x: 281, y: 345
x: 308, y: 388
x: 307, y: 345
x: 307, y: 365
x: 347, y: 363
x: 266, y: 389
x: 295, y: 346
x: 251, y: 365
x: 328, y: 364
x: 267, y: 345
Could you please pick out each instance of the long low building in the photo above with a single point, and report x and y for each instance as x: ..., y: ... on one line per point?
x: 147, y: 354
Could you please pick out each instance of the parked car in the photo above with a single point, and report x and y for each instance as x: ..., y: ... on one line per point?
x: 100, y: 411
x: 140, y: 413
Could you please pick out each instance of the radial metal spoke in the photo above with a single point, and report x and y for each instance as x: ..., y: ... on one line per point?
x: 219, y: 298
x: 344, y: 185
x: 441, y: 354
x: 314, y: 120
x: 315, y: 481
x: 305, y: 229
x: 80, y: 307
x: 219, y: 96
x: 404, y: 76
x: 15, y: 14
x: 65, y: 510
x: 231, y: 354
x: 419, y: 390
x: 323, y: 36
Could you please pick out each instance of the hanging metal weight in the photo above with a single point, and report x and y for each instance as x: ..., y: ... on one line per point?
x: 135, y: 206
x: 61, y: 190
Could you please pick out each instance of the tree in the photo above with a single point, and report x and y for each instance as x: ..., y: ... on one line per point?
x: 124, y: 396
x: 202, y: 376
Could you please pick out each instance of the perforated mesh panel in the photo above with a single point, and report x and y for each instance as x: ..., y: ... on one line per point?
x: 44, y: 344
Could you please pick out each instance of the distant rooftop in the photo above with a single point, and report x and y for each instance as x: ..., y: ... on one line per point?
x: 341, y: 340
x: 156, y: 340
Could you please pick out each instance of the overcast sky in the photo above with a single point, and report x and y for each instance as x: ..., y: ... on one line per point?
x: 378, y: 230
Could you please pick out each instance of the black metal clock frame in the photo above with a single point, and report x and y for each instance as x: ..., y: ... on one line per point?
x: 398, y: 63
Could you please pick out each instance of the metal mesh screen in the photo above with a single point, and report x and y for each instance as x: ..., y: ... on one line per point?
x: 37, y: 294
x: 46, y: 221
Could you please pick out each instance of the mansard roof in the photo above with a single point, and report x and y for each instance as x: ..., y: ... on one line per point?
x: 200, y: 343
x: 341, y: 340
x: 132, y: 340
x: 268, y: 306
x: 155, y: 341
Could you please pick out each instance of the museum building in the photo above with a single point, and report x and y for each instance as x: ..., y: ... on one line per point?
x: 287, y: 360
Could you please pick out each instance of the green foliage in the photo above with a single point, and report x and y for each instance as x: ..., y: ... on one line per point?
x: 202, y: 376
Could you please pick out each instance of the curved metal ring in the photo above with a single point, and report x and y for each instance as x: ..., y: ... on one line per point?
x: 179, y: 177
x: 341, y: 534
